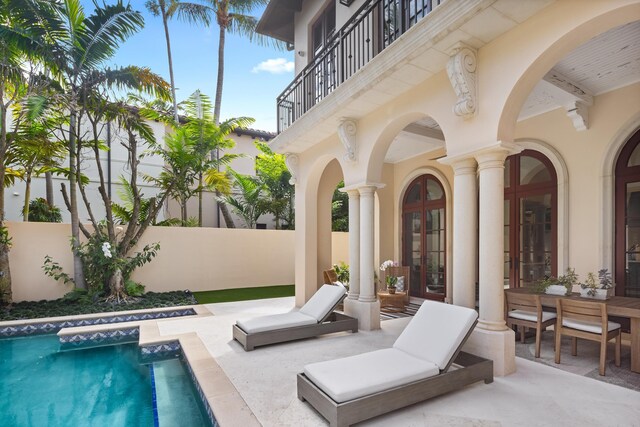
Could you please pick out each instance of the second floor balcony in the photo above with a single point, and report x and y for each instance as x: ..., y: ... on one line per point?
x: 370, y: 30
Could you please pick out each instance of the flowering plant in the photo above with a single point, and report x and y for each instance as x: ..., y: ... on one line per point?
x: 390, y: 280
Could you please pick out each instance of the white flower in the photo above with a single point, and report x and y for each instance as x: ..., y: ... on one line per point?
x: 388, y: 263
x: 106, y: 249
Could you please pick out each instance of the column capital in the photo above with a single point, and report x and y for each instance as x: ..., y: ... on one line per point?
x: 357, y: 187
x: 462, y: 165
x: 494, y: 156
x: 352, y: 192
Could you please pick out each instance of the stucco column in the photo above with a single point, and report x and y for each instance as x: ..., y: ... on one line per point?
x: 491, y: 338
x: 364, y: 306
x: 367, y: 284
x: 465, y: 238
x: 491, y: 256
x: 354, y: 244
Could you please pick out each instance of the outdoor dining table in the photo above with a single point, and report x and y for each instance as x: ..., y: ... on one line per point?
x: 628, y: 307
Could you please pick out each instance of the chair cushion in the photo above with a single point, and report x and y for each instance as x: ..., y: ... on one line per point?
x: 400, y: 284
x: 594, y: 327
x: 323, y: 301
x: 367, y: 373
x: 527, y: 315
x: 436, y: 331
x: 276, y: 321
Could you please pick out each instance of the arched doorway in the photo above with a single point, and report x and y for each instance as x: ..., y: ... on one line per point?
x: 424, y: 237
x: 530, y: 219
x: 627, y: 228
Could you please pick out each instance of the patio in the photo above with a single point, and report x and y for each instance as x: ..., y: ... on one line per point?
x: 535, y: 395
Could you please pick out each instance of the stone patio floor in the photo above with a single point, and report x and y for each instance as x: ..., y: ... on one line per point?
x: 536, y: 395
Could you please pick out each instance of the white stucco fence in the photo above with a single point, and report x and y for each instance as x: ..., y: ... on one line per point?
x: 197, y: 259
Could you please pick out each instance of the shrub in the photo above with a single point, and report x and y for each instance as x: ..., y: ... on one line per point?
x: 41, y: 211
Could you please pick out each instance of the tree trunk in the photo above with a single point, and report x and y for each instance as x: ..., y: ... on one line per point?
x: 5, y: 272
x: 117, y: 292
x: 173, y: 83
x: 200, y: 200
x: 78, y: 272
x: 224, y: 210
x: 220, y: 79
x: 183, y: 212
x: 49, y: 183
x: 27, y: 196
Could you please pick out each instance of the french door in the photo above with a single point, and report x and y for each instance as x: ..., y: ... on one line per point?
x: 627, y: 227
x: 424, y: 237
x: 530, y: 219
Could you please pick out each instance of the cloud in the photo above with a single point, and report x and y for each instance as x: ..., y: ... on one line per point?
x: 274, y: 66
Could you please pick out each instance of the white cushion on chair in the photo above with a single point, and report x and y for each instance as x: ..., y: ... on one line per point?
x: 436, y: 331
x: 528, y: 315
x: 364, y: 374
x: 594, y: 327
x: 275, y: 321
x: 323, y: 301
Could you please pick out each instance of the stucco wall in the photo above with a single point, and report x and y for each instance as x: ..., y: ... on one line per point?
x: 189, y: 258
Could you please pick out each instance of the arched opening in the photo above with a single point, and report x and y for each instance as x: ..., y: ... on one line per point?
x: 424, y: 237
x: 530, y: 219
x: 627, y: 219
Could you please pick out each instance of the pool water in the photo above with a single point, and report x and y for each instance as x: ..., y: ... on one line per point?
x: 101, y: 386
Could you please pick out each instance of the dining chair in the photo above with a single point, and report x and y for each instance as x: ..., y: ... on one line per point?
x: 587, y: 320
x: 525, y: 311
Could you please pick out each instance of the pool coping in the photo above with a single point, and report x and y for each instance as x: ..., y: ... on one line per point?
x: 222, y: 401
x: 47, y: 325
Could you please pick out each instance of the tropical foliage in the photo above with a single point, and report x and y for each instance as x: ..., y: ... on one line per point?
x: 41, y: 211
x: 340, y: 210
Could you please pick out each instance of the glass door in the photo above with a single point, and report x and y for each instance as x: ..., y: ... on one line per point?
x: 424, y: 237
x: 530, y: 219
x: 627, y: 226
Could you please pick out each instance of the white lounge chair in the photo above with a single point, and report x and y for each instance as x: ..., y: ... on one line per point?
x: 315, y: 318
x: 352, y: 389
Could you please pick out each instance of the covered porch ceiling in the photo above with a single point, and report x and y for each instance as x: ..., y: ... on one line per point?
x: 607, y: 62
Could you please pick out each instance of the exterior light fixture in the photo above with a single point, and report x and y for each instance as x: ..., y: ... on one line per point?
x: 346, y: 2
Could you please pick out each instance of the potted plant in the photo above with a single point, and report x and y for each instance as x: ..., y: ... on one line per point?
x: 390, y: 280
x: 561, y: 285
x: 600, y: 288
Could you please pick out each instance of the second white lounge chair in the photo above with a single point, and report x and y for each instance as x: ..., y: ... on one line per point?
x: 315, y: 318
x: 352, y: 389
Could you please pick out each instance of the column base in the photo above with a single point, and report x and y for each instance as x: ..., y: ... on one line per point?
x: 498, y: 346
x: 367, y: 313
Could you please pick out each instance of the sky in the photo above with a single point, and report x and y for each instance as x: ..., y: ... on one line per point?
x: 254, y: 75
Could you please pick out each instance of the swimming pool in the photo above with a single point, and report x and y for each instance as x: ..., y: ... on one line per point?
x: 102, y: 386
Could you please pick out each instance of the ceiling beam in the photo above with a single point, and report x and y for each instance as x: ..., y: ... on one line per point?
x: 424, y: 131
x: 578, y: 110
x: 567, y: 85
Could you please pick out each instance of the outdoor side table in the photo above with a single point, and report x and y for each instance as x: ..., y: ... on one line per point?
x: 392, y: 303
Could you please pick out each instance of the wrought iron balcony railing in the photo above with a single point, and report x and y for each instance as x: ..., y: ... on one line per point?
x: 376, y: 25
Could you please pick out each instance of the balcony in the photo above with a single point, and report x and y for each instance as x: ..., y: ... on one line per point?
x: 374, y: 27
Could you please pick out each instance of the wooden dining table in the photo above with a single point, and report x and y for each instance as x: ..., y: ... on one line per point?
x: 628, y: 307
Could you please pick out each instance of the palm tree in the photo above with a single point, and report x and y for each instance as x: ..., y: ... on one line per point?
x: 167, y: 9
x: 248, y: 202
x: 75, y: 48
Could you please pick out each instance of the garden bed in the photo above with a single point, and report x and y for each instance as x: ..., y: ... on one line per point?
x: 65, y: 307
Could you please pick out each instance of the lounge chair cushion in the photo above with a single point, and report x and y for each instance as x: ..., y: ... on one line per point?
x: 594, y: 327
x: 275, y: 321
x: 364, y: 374
x: 530, y: 316
x: 323, y: 301
x: 436, y: 332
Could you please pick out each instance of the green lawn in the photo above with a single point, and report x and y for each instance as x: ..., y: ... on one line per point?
x: 243, y: 294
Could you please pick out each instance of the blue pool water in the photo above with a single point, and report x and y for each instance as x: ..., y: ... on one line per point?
x: 102, y: 386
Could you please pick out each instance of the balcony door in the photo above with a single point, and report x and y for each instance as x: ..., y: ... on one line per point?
x: 627, y: 227
x: 530, y: 219
x: 423, y: 237
x: 324, y: 76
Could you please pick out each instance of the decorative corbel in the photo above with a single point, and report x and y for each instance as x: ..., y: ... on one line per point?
x: 578, y: 112
x: 292, y: 162
x: 347, y: 133
x: 461, y: 69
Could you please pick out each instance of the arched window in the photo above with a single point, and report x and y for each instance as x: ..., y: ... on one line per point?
x: 423, y: 237
x: 530, y: 219
x: 627, y: 228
